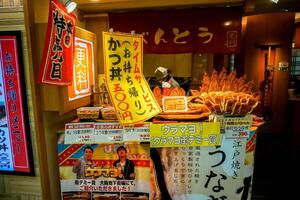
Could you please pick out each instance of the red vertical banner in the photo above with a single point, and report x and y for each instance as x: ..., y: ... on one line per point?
x: 57, y: 61
x: 13, y: 139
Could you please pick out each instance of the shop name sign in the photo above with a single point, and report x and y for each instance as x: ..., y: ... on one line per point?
x: 83, y: 70
x: 215, y: 30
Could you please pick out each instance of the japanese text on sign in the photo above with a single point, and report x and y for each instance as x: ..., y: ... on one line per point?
x: 83, y: 70
x: 57, y: 60
x: 185, y: 134
x: 85, y: 133
x: 197, y: 30
x: 81, y: 133
x: 13, y: 144
x: 108, y: 132
x: 235, y: 127
x: 129, y: 91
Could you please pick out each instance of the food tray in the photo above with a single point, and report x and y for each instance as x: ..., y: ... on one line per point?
x: 88, y: 112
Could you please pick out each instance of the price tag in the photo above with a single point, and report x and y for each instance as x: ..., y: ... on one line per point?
x: 108, y: 132
x: 79, y: 133
x: 139, y: 133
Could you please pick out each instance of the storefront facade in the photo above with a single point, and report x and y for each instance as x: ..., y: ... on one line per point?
x: 45, y: 104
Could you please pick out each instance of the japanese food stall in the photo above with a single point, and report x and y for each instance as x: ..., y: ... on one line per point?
x: 131, y: 140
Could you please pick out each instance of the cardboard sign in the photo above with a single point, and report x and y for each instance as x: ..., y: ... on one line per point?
x: 129, y: 91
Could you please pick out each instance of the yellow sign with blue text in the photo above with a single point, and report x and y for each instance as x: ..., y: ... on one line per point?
x: 123, y: 67
x: 185, y: 134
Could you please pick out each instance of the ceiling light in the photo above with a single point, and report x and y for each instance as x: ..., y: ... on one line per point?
x: 275, y: 1
x: 70, y: 6
x: 227, y: 23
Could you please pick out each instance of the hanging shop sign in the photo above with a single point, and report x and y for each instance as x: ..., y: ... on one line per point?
x: 57, y: 61
x: 96, y: 171
x: 83, y: 70
x: 199, y: 30
x: 185, y: 134
x: 15, y: 146
x: 128, y: 89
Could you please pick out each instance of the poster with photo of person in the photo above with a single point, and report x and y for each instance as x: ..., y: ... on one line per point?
x: 99, y: 171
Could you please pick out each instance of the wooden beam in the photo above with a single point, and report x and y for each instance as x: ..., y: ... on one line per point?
x: 40, y: 136
x: 98, y: 6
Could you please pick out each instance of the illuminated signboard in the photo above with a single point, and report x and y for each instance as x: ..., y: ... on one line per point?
x: 83, y: 70
x: 15, y: 146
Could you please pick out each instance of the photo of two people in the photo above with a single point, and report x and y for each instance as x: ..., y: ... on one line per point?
x: 125, y: 167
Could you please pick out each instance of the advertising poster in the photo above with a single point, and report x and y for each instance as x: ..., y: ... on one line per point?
x: 190, y: 172
x: 128, y: 89
x: 201, y: 173
x: 104, y: 171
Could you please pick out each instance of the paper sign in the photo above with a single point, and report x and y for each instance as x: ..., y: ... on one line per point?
x: 235, y: 127
x: 174, y: 104
x: 79, y: 133
x: 99, y: 173
x: 108, y: 132
x: 137, y: 133
x: 123, y: 66
x: 185, y: 134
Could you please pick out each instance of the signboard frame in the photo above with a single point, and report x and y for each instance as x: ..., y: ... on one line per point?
x: 65, y: 104
x: 16, y: 35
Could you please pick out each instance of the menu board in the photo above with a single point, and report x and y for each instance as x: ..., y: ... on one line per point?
x: 15, y: 147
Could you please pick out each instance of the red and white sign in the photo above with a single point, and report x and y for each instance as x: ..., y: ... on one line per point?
x: 13, y: 142
x: 57, y: 61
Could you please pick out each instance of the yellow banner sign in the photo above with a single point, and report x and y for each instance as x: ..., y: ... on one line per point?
x: 127, y: 86
x: 185, y: 134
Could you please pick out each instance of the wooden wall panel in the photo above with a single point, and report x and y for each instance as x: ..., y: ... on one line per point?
x: 11, y: 3
x: 269, y: 29
x: 98, y: 24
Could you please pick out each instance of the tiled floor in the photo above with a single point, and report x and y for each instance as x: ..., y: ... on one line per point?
x: 275, y: 171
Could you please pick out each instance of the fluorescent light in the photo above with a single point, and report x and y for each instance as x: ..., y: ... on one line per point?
x: 70, y: 6
x: 275, y: 1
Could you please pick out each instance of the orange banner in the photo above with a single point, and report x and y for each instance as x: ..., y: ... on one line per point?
x: 83, y: 70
